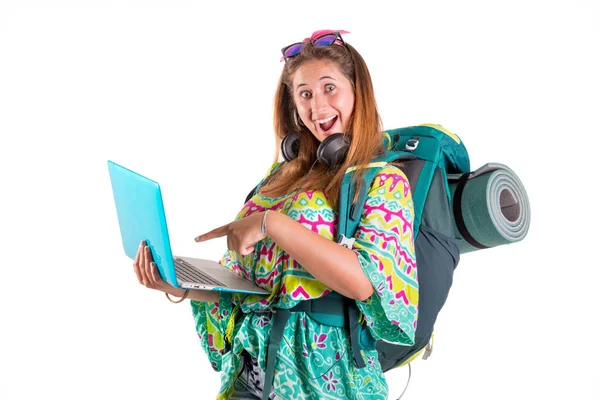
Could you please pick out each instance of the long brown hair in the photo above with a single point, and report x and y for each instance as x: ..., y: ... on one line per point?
x: 364, y: 128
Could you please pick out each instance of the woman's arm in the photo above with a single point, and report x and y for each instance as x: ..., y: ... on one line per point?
x: 331, y: 264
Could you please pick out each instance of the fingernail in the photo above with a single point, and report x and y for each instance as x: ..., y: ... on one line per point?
x: 197, y: 238
x: 153, y: 264
x: 147, y: 249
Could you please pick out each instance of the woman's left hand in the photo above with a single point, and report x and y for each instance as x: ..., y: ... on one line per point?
x: 242, y: 234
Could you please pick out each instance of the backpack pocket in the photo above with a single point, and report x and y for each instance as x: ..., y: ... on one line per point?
x: 437, y: 257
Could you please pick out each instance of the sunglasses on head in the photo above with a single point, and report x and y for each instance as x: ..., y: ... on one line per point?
x: 325, y: 39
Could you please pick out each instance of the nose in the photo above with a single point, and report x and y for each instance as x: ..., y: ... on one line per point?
x: 319, y: 102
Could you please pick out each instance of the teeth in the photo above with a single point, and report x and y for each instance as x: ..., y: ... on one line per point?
x: 322, y: 121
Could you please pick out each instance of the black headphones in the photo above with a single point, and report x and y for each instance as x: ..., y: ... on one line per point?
x: 331, y: 151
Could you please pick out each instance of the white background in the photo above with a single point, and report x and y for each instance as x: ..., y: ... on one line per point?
x: 182, y: 92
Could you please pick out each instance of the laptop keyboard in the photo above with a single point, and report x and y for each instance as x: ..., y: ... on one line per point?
x: 186, y: 272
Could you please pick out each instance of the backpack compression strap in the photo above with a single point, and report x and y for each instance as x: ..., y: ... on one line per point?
x: 458, y: 214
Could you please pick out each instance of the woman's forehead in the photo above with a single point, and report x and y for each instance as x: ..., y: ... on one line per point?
x: 315, y: 70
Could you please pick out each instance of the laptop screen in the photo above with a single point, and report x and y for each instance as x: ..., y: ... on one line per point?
x: 142, y: 217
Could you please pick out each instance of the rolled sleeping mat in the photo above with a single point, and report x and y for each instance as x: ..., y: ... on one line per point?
x: 490, y: 207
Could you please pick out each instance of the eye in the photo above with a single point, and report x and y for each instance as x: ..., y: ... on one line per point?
x: 305, y: 94
x: 329, y: 87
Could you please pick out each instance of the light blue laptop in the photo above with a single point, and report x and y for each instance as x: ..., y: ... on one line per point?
x: 142, y: 217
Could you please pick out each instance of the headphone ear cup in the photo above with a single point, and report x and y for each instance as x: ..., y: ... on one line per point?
x: 332, y: 151
x: 290, y: 145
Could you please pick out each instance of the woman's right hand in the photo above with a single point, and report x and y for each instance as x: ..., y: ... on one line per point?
x: 147, y: 273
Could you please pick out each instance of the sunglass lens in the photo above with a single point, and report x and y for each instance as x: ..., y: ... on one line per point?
x: 293, y: 50
x: 325, y: 40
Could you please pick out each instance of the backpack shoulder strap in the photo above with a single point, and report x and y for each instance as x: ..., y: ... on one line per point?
x: 349, y: 213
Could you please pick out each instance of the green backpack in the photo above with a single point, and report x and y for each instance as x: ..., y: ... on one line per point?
x: 426, y: 154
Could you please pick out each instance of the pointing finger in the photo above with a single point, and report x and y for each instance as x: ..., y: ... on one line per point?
x: 215, y: 233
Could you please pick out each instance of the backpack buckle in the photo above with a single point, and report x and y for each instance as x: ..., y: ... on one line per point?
x: 346, y: 242
x: 428, y: 348
x: 411, y: 144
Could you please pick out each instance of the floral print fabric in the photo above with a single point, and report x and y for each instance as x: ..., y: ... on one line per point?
x: 315, y: 360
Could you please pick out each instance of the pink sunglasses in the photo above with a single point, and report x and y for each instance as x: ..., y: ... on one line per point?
x: 319, y: 39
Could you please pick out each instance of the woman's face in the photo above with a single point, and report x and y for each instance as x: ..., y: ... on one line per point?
x: 324, y: 98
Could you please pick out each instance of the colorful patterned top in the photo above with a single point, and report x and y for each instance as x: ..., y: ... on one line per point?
x: 315, y: 360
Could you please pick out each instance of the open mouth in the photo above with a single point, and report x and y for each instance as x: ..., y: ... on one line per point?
x: 327, y: 123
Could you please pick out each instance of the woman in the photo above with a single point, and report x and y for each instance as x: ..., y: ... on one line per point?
x: 325, y: 88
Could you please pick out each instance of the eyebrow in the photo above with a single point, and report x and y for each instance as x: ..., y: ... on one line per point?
x: 321, y: 78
